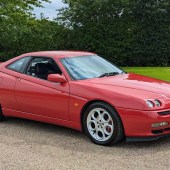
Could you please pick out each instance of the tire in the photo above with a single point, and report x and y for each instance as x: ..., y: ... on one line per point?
x: 1, y: 114
x: 102, y: 124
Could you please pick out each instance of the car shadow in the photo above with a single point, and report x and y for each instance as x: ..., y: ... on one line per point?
x: 37, y: 133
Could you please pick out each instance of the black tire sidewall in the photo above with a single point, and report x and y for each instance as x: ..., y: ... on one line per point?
x: 1, y: 115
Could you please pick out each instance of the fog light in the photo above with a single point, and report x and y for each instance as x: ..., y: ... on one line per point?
x: 155, y: 125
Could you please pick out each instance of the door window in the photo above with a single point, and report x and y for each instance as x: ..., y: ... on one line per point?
x: 19, y: 65
x: 41, y: 67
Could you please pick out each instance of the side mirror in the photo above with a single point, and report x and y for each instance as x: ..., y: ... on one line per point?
x: 57, y: 78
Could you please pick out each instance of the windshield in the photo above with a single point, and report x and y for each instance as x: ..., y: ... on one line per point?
x: 87, y: 67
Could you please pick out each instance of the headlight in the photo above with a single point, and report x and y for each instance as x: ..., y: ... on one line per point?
x: 153, y: 103
x: 150, y: 103
x: 158, y: 103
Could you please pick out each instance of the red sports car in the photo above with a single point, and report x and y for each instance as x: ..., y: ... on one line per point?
x: 85, y: 92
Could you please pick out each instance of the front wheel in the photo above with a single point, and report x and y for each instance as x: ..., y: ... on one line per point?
x: 102, y: 124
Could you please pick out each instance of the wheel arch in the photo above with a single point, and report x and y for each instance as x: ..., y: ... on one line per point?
x: 95, y: 101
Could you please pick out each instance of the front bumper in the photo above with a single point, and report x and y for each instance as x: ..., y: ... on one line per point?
x: 138, y: 124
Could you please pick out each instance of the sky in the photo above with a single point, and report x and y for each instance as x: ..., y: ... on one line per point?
x: 49, y: 9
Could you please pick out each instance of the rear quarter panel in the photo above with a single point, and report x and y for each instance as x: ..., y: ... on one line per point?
x: 7, y: 85
x: 8, y: 80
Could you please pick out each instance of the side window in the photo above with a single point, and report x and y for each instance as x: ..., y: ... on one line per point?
x: 41, y: 67
x: 19, y: 65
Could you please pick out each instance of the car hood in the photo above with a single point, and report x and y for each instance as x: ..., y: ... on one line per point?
x: 135, y: 81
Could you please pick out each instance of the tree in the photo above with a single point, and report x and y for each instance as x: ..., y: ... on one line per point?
x: 17, y: 25
x: 152, y: 20
x: 100, y: 26
x: 128, y: 32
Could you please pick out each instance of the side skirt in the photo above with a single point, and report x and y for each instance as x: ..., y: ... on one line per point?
x: 39, y: 118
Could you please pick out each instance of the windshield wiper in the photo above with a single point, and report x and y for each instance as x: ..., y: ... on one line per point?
x: 108, y: 74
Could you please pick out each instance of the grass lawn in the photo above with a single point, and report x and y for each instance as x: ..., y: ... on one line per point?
x: 162, y: 73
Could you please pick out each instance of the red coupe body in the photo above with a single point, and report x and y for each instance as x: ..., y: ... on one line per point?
x: 25, y: 96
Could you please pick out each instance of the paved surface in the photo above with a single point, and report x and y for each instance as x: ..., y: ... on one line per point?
x: 31, y: 145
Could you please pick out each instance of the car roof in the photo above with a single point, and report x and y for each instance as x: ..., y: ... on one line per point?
x: 58, y: 54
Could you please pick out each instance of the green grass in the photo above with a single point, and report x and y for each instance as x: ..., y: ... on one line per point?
x: 162, y: 73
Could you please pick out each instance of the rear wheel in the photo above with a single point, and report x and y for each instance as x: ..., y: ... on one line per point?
x: 102, y: 124
x: 1, y: 114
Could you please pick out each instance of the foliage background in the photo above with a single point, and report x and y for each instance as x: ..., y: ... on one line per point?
x: 127, y: 32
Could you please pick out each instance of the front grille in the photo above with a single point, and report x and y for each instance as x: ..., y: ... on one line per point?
x: 164, y: 113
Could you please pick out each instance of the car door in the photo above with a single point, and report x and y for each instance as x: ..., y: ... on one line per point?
x: 36, y: 95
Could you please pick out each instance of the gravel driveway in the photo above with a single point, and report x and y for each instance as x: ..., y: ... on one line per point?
x: 31, y: 145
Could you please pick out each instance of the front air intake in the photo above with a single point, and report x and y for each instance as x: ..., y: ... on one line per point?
x: 164, y: 113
